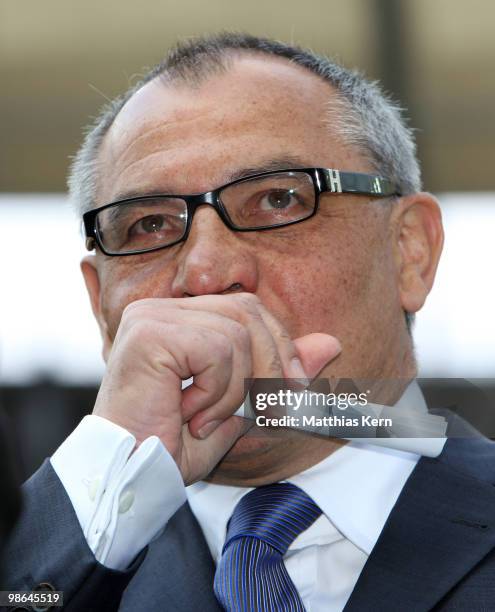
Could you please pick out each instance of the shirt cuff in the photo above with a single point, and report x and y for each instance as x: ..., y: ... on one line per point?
x: 122, y: 500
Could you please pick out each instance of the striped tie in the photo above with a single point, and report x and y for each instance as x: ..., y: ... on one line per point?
x: 251, y: 575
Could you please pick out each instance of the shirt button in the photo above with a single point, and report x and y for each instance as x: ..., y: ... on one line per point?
x: 126, y: 501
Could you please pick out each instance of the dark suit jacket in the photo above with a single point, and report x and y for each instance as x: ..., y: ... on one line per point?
x: 436, y: 551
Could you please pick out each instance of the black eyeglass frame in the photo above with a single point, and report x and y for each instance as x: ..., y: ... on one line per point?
x: 325, y: 180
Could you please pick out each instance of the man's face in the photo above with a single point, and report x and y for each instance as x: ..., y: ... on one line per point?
x: 333, y: 273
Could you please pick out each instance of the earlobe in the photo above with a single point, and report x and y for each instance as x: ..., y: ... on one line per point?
x: 92, y: 280
x: 419, y: 245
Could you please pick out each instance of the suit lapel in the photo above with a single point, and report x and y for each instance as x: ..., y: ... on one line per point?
x: 442, y: 525
x: 177, y: 573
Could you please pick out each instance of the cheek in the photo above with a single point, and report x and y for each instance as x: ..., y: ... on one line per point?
x: 329, y: 283
x: 313, y: 288
x: 126, y: 280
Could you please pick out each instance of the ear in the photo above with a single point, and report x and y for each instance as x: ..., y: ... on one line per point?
x: 89, y: 270
x: 418, y: 245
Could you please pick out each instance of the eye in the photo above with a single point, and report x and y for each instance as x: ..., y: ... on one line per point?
x: 153, y: 224
x: 279, y: 199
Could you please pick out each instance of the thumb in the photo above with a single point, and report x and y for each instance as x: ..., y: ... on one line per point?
x: 205, y: 454
x: 315, y: 351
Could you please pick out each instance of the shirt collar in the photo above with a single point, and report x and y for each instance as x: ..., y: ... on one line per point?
x: 356, y: 488
x: 412, y: 401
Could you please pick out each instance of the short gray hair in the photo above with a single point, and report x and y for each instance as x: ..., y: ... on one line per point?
x: 361, y: 114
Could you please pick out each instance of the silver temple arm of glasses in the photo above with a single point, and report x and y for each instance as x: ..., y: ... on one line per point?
x: 355, y: 182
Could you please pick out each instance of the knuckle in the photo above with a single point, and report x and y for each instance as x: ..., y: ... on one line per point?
x: 248, y: 301
x: 134, y: 310
x: 222, y: 346
x: 236, y: 329
x: 140, y: 331
x: 282, y: 334
x: 275, y: 365
x: 241, y: 336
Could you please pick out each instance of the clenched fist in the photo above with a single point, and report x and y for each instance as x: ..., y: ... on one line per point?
x: 219, y: 340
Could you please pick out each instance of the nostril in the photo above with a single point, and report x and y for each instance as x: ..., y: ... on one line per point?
x: 233, y: 288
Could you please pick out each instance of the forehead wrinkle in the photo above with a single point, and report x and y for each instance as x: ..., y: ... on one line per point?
x: 169, y: 137
x: 181, y: 115
x: 266, y: 165
x: 153, y: 133
x: 177, y: 110
x: 172, y: 141
x: 128, y: 169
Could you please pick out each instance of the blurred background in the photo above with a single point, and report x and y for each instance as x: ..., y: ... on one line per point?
x: 61, y: 59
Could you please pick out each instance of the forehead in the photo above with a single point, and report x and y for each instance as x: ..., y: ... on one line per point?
x: 172, y: 136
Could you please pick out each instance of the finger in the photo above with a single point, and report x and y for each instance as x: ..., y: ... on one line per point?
x: 290, y: 361
x: 268, y: 337
x: 316, y: 351
x: 198, y: 397
x: 218, y: 442
x: 274, y: 354
x: 245, y: 308
x: 265, y: 357
x: 201, y: 395
x: 211, y: 369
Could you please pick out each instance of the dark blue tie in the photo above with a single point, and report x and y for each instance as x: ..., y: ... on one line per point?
x: 251, y: 575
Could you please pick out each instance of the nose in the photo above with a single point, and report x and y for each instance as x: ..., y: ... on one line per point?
x: 214, y: 259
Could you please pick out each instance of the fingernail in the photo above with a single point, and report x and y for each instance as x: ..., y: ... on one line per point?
x: 208, y: 429
x: 296, y: 369
x: 338, y: 347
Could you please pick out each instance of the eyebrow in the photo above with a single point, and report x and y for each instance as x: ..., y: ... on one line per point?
x: 270, y: 165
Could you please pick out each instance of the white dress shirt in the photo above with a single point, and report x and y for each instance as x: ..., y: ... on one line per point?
x: 356, y: 487
x: 124, y: 500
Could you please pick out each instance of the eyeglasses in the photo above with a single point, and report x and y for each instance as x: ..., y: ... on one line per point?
x: 260, y: 202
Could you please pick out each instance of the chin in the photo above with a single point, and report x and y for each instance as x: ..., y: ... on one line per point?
x: 252, y: 444
x: 253, y: 456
